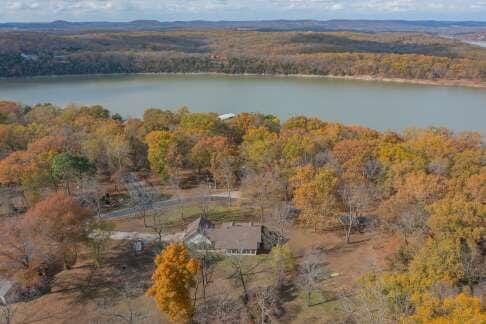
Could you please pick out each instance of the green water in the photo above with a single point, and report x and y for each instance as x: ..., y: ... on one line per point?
x: 373, y: 104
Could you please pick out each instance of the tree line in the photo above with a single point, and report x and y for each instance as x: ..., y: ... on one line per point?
x: 392, y: 55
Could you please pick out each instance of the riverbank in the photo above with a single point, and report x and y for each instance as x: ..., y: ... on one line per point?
x: 367, y: 78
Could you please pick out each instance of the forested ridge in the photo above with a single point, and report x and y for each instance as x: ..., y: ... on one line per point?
x: 380, y: 55
x: 425, y: 187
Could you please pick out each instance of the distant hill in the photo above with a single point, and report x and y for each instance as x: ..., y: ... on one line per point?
x: 430, y: 26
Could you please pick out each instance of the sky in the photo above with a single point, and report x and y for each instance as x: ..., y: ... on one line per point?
x: 170, y: 10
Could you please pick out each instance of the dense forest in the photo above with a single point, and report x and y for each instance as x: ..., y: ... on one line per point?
x: 425, y: 187
x: 380, y: 55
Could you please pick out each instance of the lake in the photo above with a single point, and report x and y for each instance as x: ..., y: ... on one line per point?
x: 378, y: 105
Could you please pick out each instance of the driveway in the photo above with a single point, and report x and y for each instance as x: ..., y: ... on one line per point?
x: 146, y: 237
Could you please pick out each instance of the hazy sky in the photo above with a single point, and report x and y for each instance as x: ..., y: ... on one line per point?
x: 168, y: 10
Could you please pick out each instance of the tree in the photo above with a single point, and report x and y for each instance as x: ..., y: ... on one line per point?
x: 242, y: 272
x: 59, y: 224
x: 356, y: 198
x: 31, y: 168
x: 262, y: 190
x: 283, y: 262
x: 176, y: 185
x: 457, y: 217
x: 171, y: 282
x: 156, y: 222
x: 67, y: 167
x: 156, y: 120
x: 311, y: 273
x: 98, y: 238
x: 458, y: 309
x: 260, y: 147
x: 117, y: 150
x: 266, y: 299
x: 407, y: 210
x: 283, y: 217
x: 21, y: 257
x: 205, y: 150
x: 202, y: 123
x: 158, y: 147
x: 315, y: 195
x: 11, y: 112
x: 226, y: 174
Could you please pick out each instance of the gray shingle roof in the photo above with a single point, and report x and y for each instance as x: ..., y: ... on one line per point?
x: 236, y: 236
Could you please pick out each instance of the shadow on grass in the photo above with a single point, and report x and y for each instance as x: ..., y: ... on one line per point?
x: 121, y: 266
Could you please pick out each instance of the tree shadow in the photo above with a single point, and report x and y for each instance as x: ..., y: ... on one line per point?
x: 288, y: 292
x: 120, y: 266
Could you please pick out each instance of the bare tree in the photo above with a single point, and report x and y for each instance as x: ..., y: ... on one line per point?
x: 92, y: 195
x: 221, y: 309
x: 412, y: 222
x: 283, y: 217
x: 207, y: 260
x: 227, y: 174
x: 99, y: 233
x: 204, y: 198
x: 24, y: 258
x: 371, y: 169
x: 312, y: 271
x: 370, y: 305
x: 228, y: 310
x: 141, y: 196
x: 156, y: 221
x: 266, y: 301
x: 356, y: 198
x: 262, y: 191
x: 175, y: 182
x: 242, y: 272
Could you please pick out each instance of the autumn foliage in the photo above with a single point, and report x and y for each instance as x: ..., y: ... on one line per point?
x: 58, y: 223
x: 171, y: 282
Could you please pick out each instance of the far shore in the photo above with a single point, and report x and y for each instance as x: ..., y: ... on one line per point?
x: 371, y: 78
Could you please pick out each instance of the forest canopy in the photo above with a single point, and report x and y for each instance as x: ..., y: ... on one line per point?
x: 386, y: 54
x: 424, y: 186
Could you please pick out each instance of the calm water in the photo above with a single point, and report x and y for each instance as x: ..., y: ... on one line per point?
x: 374, y: 104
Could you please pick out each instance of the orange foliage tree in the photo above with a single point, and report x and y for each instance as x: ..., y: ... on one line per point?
x: 58, y: 225
x: 172, y: 281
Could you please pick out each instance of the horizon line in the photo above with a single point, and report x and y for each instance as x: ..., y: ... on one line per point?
x: 243, y: 20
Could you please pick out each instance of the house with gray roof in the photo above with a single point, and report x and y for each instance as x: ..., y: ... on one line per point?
x: 228, y: 238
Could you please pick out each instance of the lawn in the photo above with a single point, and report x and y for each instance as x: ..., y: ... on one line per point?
x: 175, y: 220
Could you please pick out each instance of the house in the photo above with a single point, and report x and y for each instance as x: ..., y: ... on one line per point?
x: 228, y: 238
x: 196, y: 233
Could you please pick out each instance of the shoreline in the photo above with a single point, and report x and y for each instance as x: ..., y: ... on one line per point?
x: 364, y: 78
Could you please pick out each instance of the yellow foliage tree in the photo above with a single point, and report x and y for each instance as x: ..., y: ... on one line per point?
x: 459, y: 309
x: 172, y: 281
x: 158, y: 146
